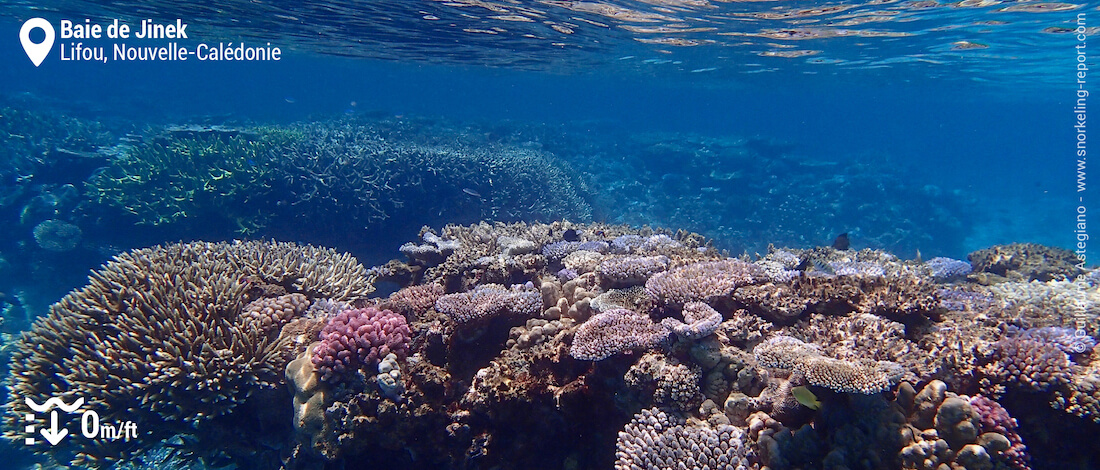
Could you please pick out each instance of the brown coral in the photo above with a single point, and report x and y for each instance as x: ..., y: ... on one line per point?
x: 161, y: 336
x: 1026, y: 262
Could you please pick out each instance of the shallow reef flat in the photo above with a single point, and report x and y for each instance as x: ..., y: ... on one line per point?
x: 575, y: 346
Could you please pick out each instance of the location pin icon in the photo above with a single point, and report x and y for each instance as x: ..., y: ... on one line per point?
x: 36, y: 52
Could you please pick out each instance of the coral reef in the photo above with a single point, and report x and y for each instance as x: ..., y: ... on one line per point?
x: 167, y: 336
x: 568, y: 345
x: 947, y: 269
x: 222, y: 176
x: 57, y: 235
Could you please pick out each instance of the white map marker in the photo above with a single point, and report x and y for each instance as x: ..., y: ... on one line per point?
x: 36, y: 52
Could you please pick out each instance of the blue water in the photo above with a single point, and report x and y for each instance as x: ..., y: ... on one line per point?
x: 990, y: 127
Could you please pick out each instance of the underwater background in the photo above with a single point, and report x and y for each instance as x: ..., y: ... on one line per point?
x: 920, y: 129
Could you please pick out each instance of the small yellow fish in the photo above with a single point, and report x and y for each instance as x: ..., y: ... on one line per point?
x: 806, y: 398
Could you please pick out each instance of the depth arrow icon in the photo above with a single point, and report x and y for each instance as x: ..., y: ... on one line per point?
x: 53, y: 434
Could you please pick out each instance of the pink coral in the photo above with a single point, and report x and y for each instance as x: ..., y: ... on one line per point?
x: 995, y: 418
x: 359, y: 337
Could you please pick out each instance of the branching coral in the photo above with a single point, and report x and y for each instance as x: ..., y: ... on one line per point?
x: 224, y: 175
x: 162, y: 336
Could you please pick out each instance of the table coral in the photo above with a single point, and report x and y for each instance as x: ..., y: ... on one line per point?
x: 616, y: 331
x: 702, y: 281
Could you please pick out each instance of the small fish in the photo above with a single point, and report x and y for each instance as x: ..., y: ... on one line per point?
x: 290, y: 99
x: 472, y: 192
x: 842, y: 242
x: 571, y: 236
x: 806, y: 397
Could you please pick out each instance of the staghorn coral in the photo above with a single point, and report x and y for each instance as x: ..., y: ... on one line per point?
x: 488, y: 301
x: 359, y: 338
x: 613, y: 332
x: 702, y: 281
x: 655, y: 438
x: 162, y: 327
x: 702, y: 320
x: 222, y: 175
x: 859, y: 376
x: 372, y: 171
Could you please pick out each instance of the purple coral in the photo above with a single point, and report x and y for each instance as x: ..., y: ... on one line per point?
x: 702, y: 281
x: 857, y: 268
x: 1069, y: 340
x: 359, y: 337
x: 701, y: 320
x: 558, y: 250
x: 947, y: 269
x: 995, y: 418
x: 958, y: 300
x: 631, y: 270
x: 489, y: 301
x: 615, y: 331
